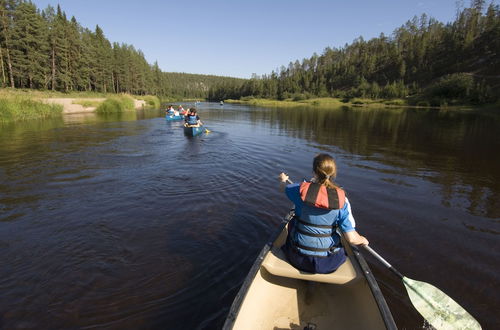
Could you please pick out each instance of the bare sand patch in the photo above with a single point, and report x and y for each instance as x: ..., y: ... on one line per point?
x: 70, y: 107
x: 139, y: 104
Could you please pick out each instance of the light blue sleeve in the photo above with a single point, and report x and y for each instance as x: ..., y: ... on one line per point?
x: 346, y: 220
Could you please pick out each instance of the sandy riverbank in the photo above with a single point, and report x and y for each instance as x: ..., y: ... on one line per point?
x: 70, y: 107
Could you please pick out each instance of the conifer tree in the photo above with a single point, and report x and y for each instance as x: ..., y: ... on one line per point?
x: 7, y: 8
x: 29, y: 46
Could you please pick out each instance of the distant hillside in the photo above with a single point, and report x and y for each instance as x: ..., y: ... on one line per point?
x: 422, y: 61
x: 186, y: 85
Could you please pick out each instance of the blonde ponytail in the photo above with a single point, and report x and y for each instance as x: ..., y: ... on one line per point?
x: 325, y: 170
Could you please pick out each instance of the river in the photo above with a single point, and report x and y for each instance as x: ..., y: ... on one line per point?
x: 122, y: 221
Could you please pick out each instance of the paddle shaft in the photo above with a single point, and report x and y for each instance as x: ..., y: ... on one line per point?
x: 383, y: 261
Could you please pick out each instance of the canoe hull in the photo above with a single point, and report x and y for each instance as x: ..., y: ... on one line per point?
x: 174, y: 118
x: 193, y: 131
x: 297, y: 300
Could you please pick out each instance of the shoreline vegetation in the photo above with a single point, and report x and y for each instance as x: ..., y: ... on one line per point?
x: 328, y: 102
x: 20, y: 104
x: 424, y: 63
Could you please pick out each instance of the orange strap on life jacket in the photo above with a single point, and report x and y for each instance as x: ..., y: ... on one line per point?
x: 317, y: 195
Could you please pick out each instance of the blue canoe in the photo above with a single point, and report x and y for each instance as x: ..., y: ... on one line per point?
x: 172, y: 117
x: 193, y: 130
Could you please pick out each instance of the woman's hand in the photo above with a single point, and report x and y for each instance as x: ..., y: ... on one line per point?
x: 283, y: 177
x: 356, y: 239
x: 363, y: 240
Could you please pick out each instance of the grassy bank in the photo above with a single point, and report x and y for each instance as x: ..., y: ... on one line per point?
x: 328, y: 102
x: 152, y: 102
x: 320, y: 102
x: 116, y: 103
x: 43, y: 94
x: 18, y: 107
x: 24, y: 104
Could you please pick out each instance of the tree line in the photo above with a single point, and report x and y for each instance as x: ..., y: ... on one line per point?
x: 43, y: 49
x: 423, y: 61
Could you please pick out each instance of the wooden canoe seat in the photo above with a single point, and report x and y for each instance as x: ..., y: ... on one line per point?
x: 275, y: 263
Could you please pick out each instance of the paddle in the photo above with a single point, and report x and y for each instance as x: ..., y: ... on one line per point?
x: 435, y: 306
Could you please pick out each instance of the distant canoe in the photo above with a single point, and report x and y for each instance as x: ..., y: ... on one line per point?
x: 193, y: 130
x: 172, y: 117
x: 275, y: 295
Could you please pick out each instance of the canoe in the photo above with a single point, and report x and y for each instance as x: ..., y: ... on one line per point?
x: 172, y: 117
x: 275, y: 295
x: 193, y: 130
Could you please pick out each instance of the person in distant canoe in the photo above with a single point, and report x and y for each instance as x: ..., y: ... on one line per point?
x: 321, y: 211
x: 170, y: 110
x: 192, y: 118
x: 181, y: 109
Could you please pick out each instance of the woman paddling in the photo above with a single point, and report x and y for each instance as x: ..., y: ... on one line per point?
x: 192, y: 118
x: 321, y: 209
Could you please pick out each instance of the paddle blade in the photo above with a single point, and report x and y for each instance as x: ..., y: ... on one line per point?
x: 437, y: 308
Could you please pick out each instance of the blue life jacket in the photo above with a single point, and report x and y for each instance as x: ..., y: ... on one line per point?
x: 170, y: 111
x: 314, y: 233
x: 192, y: 120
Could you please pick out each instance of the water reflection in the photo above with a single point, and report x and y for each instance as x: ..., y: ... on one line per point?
x: 456, y: 149
x: 57, y: 151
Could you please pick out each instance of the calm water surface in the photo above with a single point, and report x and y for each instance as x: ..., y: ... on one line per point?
x: 124, y: 222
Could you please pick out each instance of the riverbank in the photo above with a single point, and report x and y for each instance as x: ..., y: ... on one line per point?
x: 82, y: 105
x: 328, y: 102
x: 22, y: 104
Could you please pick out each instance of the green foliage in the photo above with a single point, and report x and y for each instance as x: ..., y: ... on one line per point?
x: 418, y: 53
x: 45, y: 50
x: 423, y: 104
x: 152, y: 102
x: 317, y: 102
x: 116, y: 104
x: 419, y: 61
x: 397, y: 102
x: 22, y: 108
x: 453, y: 86
x: 299, y: 97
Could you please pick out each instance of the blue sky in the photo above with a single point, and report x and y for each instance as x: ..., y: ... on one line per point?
x: 240, y: 37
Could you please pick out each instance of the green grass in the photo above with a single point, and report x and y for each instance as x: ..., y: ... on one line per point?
x: 41, y: 94
x: 18, y: 107
x: 116, y: 104
x: 397, y: 102
x: 289, y: 103
x: 267, y: 103
x: 152, y: 102
x: 24, y: 104
x: 321, y: 102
